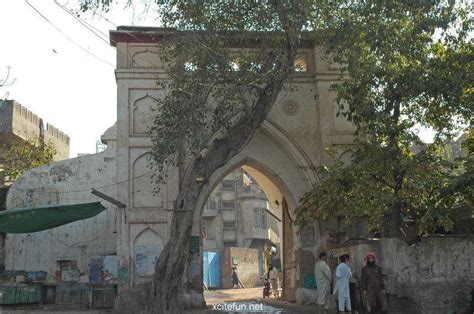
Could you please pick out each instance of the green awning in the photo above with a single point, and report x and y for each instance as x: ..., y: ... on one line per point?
x: 28, y: 220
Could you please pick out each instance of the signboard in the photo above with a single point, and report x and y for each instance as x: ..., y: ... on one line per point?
x: 194, y: 245
x: 103, y: 269
x: 110, y: 269
x: 309, y: 282
x: 235, y: 260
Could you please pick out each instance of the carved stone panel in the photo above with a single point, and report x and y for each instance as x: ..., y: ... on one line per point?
x: 145, y: 57
x: 290, y: 107
x: 147, y: 249
x: 142, y: 103
x: 143, y: 188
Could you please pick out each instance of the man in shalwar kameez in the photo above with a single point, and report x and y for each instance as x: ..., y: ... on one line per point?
x: 322, y: 274
x: 343, y: 274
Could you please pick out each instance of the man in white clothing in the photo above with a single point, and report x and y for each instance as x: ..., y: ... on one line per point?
x: 273, y: 276
x: 322, y: 274
x: 343, y: 274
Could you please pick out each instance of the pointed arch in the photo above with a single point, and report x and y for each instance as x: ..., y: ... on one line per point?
x: 143, y: 191
x: 147, y: 247
x: 278, y: 157
x: 141, y: 115
x: 146, y: 59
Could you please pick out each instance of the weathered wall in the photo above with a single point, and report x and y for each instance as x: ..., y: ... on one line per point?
x: 65, y: 182
x: 433, y: 276
x: 247, y: 267
x: 20, y: 122
x: 284, y: 153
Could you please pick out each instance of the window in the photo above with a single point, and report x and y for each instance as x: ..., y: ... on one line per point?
x: 229, y: 224
x: 228, y: 204
x: 264, y: 217
x: 211, y: 203
x: 260, y: 217
x: 255, y: 67
x: 190, y: 66
x: 256, y: 217
x: 68, y: 269
x: 235, y: 66
x: 300, y: 64
x: 228, y: 185
x: 238, y: 216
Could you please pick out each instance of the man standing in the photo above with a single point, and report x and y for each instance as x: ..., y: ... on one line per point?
x: 371, y: 282
x: 352, y: 285
x: 343, y: 274
x: 273, y: 276
x: 322, y: 274
x: 235, y: 277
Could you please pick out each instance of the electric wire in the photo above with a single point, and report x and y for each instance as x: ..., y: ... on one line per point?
x: 85, y: 24
x: 89, y: 26
x: 67, y: 37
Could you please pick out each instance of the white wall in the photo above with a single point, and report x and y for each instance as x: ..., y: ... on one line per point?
x: 64, y: 182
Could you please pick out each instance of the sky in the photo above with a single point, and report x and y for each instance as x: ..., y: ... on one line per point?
x: 65, y: 76
x: 63, y: 69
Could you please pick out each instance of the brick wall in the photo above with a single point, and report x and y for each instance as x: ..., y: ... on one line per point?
x: 247, y: 267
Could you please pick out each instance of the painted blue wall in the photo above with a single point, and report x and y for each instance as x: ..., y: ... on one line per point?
x: 212, y: 269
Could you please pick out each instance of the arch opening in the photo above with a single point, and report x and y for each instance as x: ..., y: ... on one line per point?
x: 245, y: 223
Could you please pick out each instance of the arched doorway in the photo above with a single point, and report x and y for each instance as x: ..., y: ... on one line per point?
x: 285, y: 173
x: 246, y: 223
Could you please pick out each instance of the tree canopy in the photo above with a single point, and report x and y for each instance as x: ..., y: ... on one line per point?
x: 22, y: 156
x: 227, y: 64
x: 408, y: 65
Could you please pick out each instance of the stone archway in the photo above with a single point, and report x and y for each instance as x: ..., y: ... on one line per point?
x: 275, y: 155
x: 286, y: 149
x: 276, y: 167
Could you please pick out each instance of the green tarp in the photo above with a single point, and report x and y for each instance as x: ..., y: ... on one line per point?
x: 28, y: 220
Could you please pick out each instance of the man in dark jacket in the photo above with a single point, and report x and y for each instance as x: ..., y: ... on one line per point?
x: 371, y: 282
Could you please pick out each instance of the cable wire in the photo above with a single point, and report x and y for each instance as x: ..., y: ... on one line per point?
x: 67, y: 37
x: 89, y: 26
x: 85, y: 24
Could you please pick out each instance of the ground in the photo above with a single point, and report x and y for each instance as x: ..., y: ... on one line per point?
x: 239, y: 299
x: 50, y: 309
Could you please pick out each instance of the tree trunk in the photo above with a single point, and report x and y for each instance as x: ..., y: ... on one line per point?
x: 171, y: 288
x: 393, y: 219
x: 394, y: 223
x: 170, y: 281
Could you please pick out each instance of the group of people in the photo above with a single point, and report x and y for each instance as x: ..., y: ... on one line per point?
x: 270, y: 284
x: 345, y: 284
